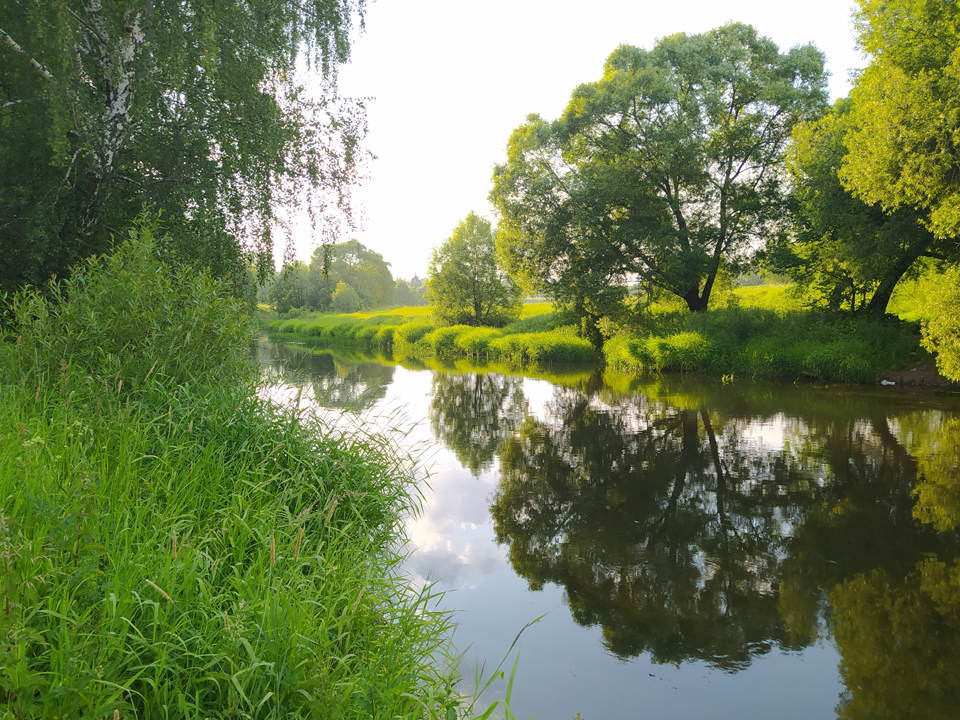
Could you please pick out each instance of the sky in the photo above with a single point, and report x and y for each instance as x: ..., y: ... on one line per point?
x: 447, y: 81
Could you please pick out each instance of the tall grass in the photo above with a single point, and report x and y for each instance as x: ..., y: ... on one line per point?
x: 759, y: 342
x: 174, y: 546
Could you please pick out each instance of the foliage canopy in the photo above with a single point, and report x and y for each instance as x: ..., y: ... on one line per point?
x: 904, y: 149
x: 845, y: 252
x: 665, y: 169
x: 193, y: 107
x: 466, y: 286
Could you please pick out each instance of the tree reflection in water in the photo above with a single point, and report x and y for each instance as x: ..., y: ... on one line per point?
x: 338, y: 381
x: 473, y: 413
x: 683, y: 537
x: 672, y: 525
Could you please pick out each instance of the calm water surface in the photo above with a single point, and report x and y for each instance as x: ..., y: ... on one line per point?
x: 696, y: 549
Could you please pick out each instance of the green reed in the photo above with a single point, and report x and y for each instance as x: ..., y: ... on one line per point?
x: 173, y: 544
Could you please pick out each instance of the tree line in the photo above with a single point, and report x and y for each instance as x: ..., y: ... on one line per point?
x: 706, y: 156
x: 342, y: 278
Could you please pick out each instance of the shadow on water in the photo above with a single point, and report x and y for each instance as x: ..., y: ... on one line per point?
x: 694, y: 521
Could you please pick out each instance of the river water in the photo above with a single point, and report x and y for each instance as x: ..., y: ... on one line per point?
x: 692, y: 549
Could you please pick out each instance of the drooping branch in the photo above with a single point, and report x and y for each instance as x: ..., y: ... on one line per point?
x: 92, y: 30
x: 38, y: 66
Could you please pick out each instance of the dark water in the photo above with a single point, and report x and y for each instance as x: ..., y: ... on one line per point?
x: 698, y: 549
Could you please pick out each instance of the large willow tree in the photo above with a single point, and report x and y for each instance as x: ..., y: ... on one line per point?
x: 667, y: 168
x: 190, y: 106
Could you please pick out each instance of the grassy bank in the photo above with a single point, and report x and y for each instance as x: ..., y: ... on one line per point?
x: 759, y: 332
x: 539, y: 338
x: 744, y: 342
x: 172, y: 545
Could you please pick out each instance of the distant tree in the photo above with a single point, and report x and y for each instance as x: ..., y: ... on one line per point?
x: 345, y: 299
x: 354, y: 264
x: 192, y: 107
x: 419, y: 286
x: 288, y: 289
x: 464, y: 282
x: 404, y: 295
x: 845, y: 252
x: 667, y: 168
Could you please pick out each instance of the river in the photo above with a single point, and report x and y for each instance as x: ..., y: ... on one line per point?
x: 692, y: 548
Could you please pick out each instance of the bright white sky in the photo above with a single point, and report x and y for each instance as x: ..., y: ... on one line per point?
x: 450, y: 80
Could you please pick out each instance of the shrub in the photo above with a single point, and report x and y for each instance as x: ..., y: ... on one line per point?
x: 558, y: 346
x: 476, y: 341
x: 345, y: 299
x: 129, y: 315
x: 442, y: 342
x: 408, y: 335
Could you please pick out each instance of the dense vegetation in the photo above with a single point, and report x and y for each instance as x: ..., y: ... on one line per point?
x: 762, y: 332
x: 174, y: 545
x: 540, y: 339
x: 466, y: 284
x: 194, y: 107
x: 714, y: 152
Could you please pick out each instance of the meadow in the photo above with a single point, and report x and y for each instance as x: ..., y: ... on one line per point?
x: 759, y: 331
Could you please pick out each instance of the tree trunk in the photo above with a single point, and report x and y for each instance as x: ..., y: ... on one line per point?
x: 881, y: 297
x: 696, y: 303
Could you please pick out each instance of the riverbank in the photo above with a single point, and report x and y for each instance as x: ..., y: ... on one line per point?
x: 761, y: 332
x: 173, y: 544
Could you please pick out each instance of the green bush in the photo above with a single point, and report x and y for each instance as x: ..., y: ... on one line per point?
x: 127, y: 316
x: 442, y: 342
x: 476, y: 341
x: 408, y: 335
x: 558, y: 346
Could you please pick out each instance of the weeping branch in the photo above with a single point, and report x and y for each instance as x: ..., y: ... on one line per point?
x: 37, y: 65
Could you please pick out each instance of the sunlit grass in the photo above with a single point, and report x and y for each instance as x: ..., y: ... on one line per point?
x: 756, y: 331
x: 771, y: 297
x: 537, y: 308
x: 174, y: 545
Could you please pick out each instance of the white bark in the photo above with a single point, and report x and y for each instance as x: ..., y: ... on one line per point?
x: 16, y: 47
x: 117, y: 57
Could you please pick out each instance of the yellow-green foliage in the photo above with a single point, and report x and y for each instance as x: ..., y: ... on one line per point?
x: 758, y: 342
x: 419, y: 338
x: 556, y: 346
x: 399, y: 313
x: 679, y: 352
x: 407, y: 336
x: 476, y: 341
x: 772, y: 297
x: 533, y: 309
x: 941, y: 328
x: 764, y: 333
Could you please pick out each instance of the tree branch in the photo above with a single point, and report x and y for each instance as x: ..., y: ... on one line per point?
x: 37, y: 65
x: 92, y: 30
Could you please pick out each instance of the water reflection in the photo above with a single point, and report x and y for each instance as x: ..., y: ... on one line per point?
x: 694, y: 523
x: 472, y: 414
x: 345, y: 381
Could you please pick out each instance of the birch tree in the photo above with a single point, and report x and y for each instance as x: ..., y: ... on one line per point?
x: 195, y: 107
